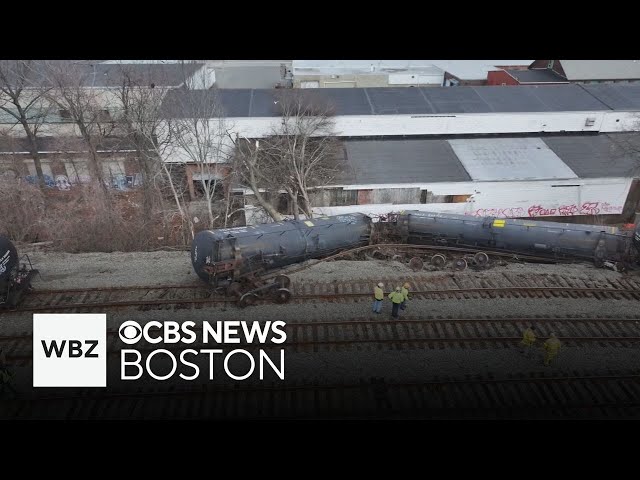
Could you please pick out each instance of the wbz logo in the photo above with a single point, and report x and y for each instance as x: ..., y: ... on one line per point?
x: 69, y: 350
x: 75, y: 348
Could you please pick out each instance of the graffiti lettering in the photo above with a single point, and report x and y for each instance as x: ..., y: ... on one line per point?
x: 590, y: 208
x: 608, y: 208
x: 509, y: 212
x: 568, y: 210
x: 538, y: 211
x: 587, y: 208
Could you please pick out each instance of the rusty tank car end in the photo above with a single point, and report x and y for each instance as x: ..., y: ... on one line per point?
x: 235, y: 259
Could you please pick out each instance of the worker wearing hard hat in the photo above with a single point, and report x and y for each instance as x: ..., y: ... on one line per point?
x: 378, y: 297
x: 397, y: 298
x: 405, y: 292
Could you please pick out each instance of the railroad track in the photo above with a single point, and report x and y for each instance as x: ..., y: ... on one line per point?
x: 409, y: 332
x: 426, y: 287
x: 570, y: 395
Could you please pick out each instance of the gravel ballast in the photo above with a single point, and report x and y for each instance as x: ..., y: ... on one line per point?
x: 94, y: 270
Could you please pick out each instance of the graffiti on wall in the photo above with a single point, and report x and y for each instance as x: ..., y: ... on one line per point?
x: 62, y: 182
x: 586, y: 208
x: 508, y: 212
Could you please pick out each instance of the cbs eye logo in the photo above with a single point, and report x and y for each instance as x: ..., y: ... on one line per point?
x: 130, y: 332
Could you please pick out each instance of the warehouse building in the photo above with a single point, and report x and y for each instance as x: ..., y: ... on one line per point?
x: 366, y: 112
x: 517, y: 177
x: 547, y: 151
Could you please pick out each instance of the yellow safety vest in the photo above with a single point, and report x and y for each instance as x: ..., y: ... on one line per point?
x: 528, y: 338
x: 396, y: 297
x: 552, y: 345
x: 405, y: 293
x: 379, y: 294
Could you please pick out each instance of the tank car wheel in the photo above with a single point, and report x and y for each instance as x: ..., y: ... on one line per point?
x: 460, y: 264
x: 234, y: 289
x: 416, y: 264
x: 481, y: 259
x: 247, y: 300
x: 438, y: 260
x: 282, y: 295
x: 283, y: 281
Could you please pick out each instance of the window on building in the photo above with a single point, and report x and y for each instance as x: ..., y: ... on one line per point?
x: 64, y: 114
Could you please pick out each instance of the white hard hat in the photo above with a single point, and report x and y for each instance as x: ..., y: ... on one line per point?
x: 381, y: 284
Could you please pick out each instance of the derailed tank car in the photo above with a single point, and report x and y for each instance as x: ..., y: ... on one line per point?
x: 15, y: 279
x: 602, y: 244
x: 236, y: 257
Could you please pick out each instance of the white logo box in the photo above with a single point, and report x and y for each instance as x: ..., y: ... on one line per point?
x: 78, y: 358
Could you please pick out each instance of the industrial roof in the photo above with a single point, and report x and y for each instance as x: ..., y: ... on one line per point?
x: 248, y: 76
x: 401, y: 161
x: 426, y: 101
x: 536, y: 76
x: 420, y: 160
x: 491, y: 159
x: 601, y: 69
x: 616, y: 96
x: 599, y: 155
x: 111, y: 74
x: 167, y: 74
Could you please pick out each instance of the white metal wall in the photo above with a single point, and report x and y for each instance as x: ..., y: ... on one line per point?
x: 543, y: 198
x: 476, y: 123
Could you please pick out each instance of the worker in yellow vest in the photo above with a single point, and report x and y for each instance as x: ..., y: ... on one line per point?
x: 396, y: 298
x: 551, y: 348
x: 378, y: 297
x: 528, y: 337
x: 405, y: 292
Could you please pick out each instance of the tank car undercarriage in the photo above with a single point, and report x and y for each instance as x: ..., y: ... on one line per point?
x: 13, y: 290
x: 250, y: 287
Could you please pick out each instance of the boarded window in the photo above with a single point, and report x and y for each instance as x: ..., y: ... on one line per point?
x: 365, y: 197
x: 341, y: 198
x: 429, y: 197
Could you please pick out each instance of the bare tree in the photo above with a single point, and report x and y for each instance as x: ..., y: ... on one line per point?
x: 139, y: 104
x: 253, y: 169
x: 304, y: 149
x: 300, y: 154
x: 199, y: 131
x: 23, y: 91
x: 75, y: 95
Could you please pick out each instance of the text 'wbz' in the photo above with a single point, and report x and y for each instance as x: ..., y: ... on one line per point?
x: 162, y: 364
